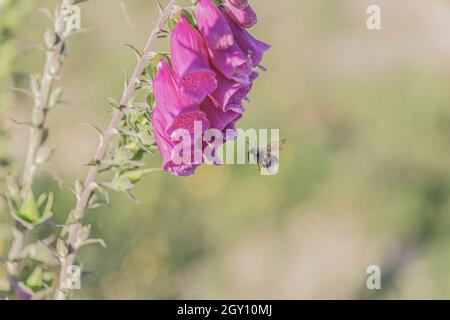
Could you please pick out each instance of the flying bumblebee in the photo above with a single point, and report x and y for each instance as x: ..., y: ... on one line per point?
x: 267, y: 157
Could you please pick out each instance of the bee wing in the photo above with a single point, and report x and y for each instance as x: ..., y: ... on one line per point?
x: 278, y: 145
x: 253, y: 152
x: 283, y: 143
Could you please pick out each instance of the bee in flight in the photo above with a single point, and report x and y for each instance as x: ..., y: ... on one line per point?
x: 267, y: 157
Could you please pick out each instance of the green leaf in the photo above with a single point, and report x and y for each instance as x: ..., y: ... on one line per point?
x: 189, y: 16
x: 34, y: 281
x: 94, y: 241
x: 48, y: 276
x: 43, y: 155
x: 136, y: 51
x: 135, y: 176
x: 54, y: 98
x: 29, y: 209
x: 150, y: 99
x: 99, y: 198
x: 61, y: 248
x: 42, y: 253
x: 132, y: 147
x: 171, y: 23
x: 47, y: 213
x: 41, y: 199
x: 123, y: 154
x: 153, y: 65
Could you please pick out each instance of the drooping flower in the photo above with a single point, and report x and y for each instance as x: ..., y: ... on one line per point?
x: 211, y: 77
x: 243, y: 15
x: 230, y: 60
x: 223, y: 128
x: 213, y: 26
x: 177, y: 110
x: 166, y: 147
x: 174, y: 111
x: 219, y: 119
x: 190, y: 62
x: 254, y: 48
x: 230, y: 94
x: 233, y: 63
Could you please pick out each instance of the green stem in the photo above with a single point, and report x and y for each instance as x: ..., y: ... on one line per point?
x: 74, y: 222
x: 49, y: 76
x: 37, y: 135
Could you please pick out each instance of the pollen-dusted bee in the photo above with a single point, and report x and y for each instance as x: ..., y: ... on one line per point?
x: 267, y: 157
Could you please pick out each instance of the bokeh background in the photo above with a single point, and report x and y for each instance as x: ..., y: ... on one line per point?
x: 365, y: 175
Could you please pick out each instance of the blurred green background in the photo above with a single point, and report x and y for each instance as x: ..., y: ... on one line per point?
x: 364, y: 180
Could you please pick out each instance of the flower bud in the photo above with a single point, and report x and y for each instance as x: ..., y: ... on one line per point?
x: 239, y: 4
x: 245, y: 17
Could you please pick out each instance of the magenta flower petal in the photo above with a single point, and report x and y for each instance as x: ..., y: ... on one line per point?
x: 213, y: 26
x: 230, y: 94
x: 230, y: 60
x: 176, y: 109
x: 187, y: 121
x: 190, y: 62
x: 254, y: 48
x: 232, y: 63
x: 244, y: 16
x: 220, y: 120
x: 240, y: 4
x: 166, y: 146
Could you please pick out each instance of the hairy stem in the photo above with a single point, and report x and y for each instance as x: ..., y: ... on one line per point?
x: 38, y: 132
x: 75, y: 219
